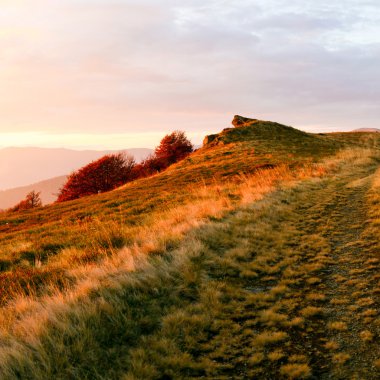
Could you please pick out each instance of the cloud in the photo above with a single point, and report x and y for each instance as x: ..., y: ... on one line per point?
x: 141, y: 66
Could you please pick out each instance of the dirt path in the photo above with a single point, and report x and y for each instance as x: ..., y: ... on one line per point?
x: 312, y: 307
x: 347, y: 333
x: 286, y: 288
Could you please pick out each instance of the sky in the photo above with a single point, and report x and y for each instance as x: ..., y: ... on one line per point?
x: 112, y: 74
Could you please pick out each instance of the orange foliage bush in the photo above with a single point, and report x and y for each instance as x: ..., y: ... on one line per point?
x: 114, y: 170
x: 99, y: 176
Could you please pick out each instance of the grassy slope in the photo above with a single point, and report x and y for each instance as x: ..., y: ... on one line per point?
x: 51, y: 228
x: 227, y: 287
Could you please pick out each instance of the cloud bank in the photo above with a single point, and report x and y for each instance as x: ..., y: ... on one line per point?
x: 121, y: 66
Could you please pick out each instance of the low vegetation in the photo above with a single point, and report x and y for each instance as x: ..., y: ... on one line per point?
x: 244, y: 260
x: 32, y: 200
x: 115, y: 170
x: 102, y: 175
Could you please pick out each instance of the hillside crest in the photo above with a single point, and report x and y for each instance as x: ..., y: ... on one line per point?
x: 245, y: 128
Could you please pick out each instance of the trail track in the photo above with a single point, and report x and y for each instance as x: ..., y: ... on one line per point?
x: 339, y: 214
x: 284, y: 288
x: 301, y: 265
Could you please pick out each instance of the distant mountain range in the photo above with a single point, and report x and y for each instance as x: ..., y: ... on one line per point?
x: 44, y: 170
x: 48, y: 189
x: 367, y: 130
x: 23, y: 166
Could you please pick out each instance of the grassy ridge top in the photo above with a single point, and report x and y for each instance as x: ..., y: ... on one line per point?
x: 234, y: 151
x: 238, y: 150
x: 158, y: 279
x: 269, y: 137
x: 30, y: 239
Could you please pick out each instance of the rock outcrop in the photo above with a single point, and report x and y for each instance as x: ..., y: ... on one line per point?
x: 210, y: 139
x: 219, y: 139
x: 240, y: 121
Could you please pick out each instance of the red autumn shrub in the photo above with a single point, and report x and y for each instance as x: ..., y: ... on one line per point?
x: 99, y: 176
x: 112, y: 171
x: 173, y: 148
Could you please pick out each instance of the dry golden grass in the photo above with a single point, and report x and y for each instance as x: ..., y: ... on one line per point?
x: 256, y: 358
x: 338, y: 326
x: 366, y: 336
x: 272, y: 318
x: 298, y: 359
x: 369, y: 313
x: 90, y: 277
x: 297, y: 321
x: 311, y: 311
x: 296, y: 371
x: 331, y: 345
x: 268, y: 338
x: 339, y: 301
x: 276, y: 355
x: 340, y: 358
x: 367, y: 301
x: 194, y: 287
x: 316, y: 297
x: 169, y: 228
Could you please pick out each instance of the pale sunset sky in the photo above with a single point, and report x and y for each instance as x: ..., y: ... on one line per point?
x: 110, y: 74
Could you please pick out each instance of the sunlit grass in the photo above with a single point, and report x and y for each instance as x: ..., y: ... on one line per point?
x: 188, y: 274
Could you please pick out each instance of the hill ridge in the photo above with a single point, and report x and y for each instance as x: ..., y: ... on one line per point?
x: 212, y: 268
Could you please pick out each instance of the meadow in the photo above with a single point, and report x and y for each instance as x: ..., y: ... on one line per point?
x: 245, y: 260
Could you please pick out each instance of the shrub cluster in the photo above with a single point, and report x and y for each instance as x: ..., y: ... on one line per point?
x: 99, y: 176
x: 173, y: 148
x: 114, y: 170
